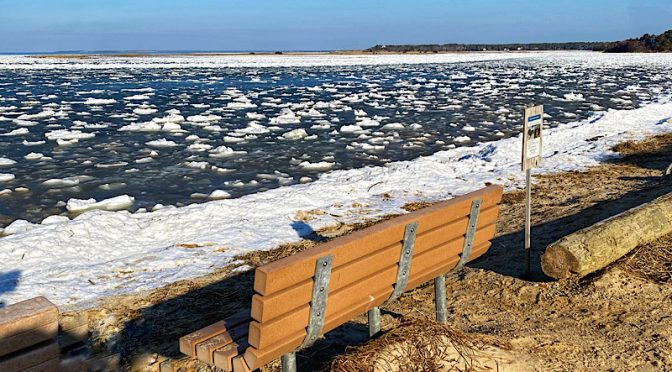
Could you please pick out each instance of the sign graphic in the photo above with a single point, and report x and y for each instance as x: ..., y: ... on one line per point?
x: 532, y: 128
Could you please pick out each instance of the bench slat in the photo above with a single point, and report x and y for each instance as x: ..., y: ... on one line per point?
x: 46, y: 366
x: 223, y: 357
x: 188, y: 343
x: 29, y: 338
x: 257, y: 358
x: 267, y: 308
x: 286, y: 272
x: 240, y: 364
x: 205, y: 350
x: 30, y: 357
x: 27, y: 323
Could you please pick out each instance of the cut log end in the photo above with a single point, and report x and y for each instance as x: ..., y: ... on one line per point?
x: 558, y: 263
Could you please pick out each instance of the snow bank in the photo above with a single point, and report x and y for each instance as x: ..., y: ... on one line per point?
x: 243, y: 60
x: 61, y: 260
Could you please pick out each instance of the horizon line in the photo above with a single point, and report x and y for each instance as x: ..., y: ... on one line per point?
x: 180, y: 51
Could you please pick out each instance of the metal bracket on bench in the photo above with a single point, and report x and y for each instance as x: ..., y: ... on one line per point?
x: 405, y: 258
x: 471, y: 231
x: 318, y: 303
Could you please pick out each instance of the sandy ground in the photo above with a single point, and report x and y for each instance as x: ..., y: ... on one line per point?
x: 618, y: 319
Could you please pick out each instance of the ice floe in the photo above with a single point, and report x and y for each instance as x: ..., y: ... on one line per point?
x: 100, y: 101
x: 112, y: 204
x: 4, y: 177
x: 6, y: 162
x: 161, y: 142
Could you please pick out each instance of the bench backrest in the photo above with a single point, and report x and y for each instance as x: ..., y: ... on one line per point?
x: 364, y: 271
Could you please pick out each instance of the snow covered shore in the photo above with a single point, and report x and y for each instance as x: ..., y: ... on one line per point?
x: 19, y: 62
x: 102, y: 253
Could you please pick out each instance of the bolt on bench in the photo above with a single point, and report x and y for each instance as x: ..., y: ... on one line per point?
x: 300, y: 297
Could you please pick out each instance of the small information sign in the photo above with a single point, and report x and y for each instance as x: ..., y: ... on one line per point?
x: 532, y: 128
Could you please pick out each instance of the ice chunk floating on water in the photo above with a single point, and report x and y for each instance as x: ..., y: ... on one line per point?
x: 111, y: 204
x: 4, y: 177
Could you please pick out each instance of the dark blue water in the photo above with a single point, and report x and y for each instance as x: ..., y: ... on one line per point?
x: 438, y: 106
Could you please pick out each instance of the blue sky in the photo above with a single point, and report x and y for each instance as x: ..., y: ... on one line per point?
x: 53, y: 25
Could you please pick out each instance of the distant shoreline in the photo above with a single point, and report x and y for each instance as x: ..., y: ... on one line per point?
x: 94, y: 55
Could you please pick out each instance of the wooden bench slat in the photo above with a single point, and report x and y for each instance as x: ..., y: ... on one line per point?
x: 27, y: 323
x: 266, y: 308
x: 257, y: 358
x: 32, y: 357
x: 188, y: 343
x: 47, y: 366
x: 223, y: 358
x: 286, y: 272
x: 266, y: 333
x: 240, y: 364
x: 28, y: 338
x: 205, y: 350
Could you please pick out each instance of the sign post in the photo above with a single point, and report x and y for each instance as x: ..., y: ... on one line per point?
x: 531, y: 158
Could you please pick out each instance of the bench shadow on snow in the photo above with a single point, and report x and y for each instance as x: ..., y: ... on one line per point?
x: 8, y: 283
x: 156, y: 329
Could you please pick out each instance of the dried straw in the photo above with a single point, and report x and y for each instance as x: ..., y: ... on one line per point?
x: 418, y: 344
x: 651, y: 261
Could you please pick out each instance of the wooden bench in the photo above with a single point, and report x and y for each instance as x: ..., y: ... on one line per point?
x: 28, y: 332
x: 300, y: 297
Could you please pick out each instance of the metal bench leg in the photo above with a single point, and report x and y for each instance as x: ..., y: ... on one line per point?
x: 374, y: 321
x: 440, y: 299
x: 288, y: 362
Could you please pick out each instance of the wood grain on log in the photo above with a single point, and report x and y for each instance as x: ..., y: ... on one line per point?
x: 595, y: 247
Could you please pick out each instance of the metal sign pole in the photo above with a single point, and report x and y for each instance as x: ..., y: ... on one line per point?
x: 533, y: 125
x: 528, y: 214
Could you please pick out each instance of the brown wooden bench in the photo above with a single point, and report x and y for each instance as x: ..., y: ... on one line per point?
x: 300, y: 297
x: 28, y: 332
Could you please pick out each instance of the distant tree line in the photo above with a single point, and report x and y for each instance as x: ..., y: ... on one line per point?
x: 435, y: 48
x: 646, y: 43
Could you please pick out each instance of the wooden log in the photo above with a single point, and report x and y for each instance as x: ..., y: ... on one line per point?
x: 289, y: 271
x: 27, y: 323
x: 188, y: 343
x: 595, y: 247
x: 265, y: 335
x: 32, y: 357
x: 267, y: 308
x: 256, y: 358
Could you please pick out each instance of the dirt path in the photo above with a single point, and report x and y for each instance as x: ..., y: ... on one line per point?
x: 618, y: 319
